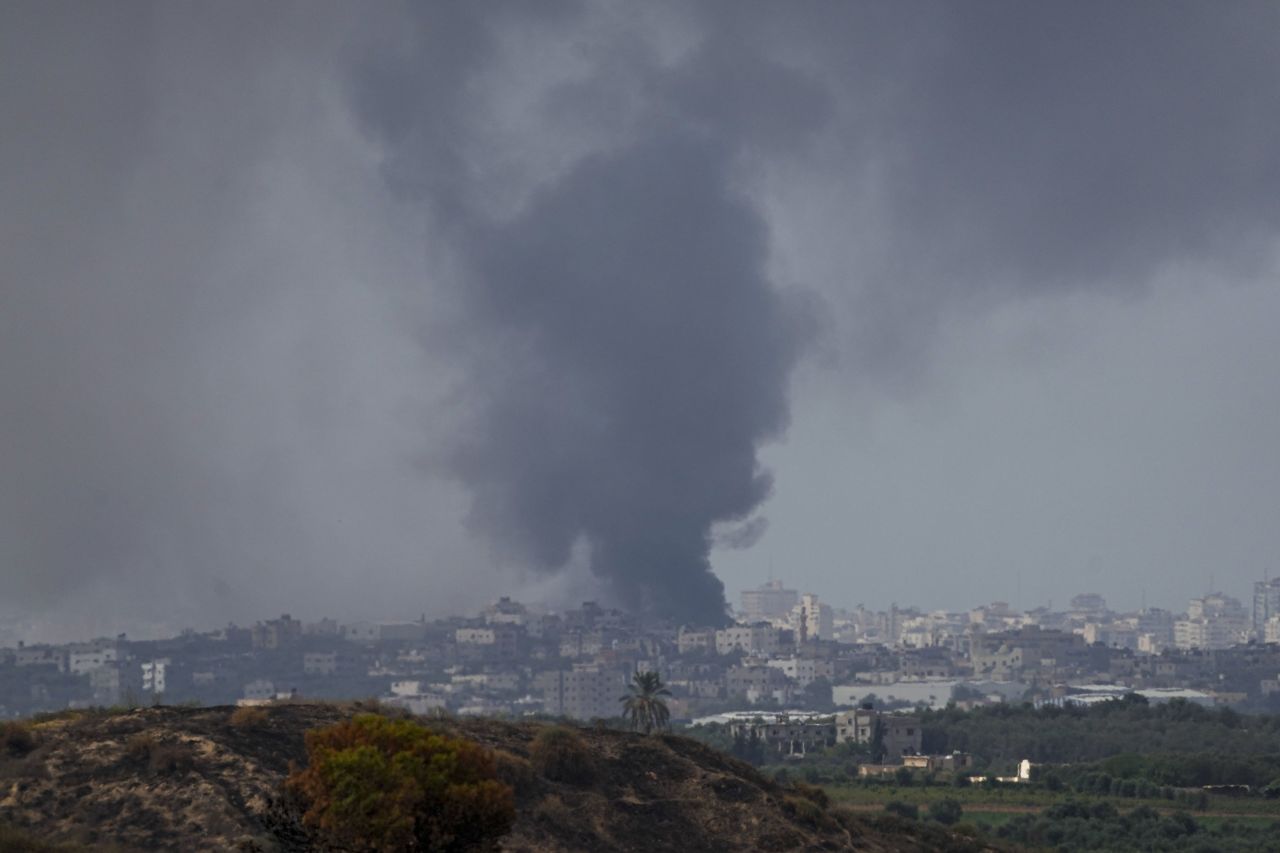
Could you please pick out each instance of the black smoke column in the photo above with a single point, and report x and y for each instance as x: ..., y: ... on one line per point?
x: 643, y: 357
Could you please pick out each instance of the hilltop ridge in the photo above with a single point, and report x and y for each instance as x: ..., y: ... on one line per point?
x: 170, y: 778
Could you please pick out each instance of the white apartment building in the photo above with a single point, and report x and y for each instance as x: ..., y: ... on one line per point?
x: 767, y: 601
x: 1215, y: 621
x: 756, y: 639
x: 811, y: 619
x: 803, y: 671
x: 477, y: 636
x: 84, y: 658
x: 153, y: 675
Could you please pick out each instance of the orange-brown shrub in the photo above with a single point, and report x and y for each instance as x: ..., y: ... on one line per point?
x: 516, y: 772
x: 248, y: 717
x: 374, y: 783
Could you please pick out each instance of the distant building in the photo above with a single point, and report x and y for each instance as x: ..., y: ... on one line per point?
x: 757, y: 683
x: 758, y: 639
x: 786, y: 734
x: 506, y: 611
x: 768, y: 601
x: 695, y: 640
x: 928, y: 763
x: 84, y: 658
x: 1266, y: 604
x: 275, y: 633
x: 1088, y: 605
x: 583, y: 693
x: 260, y: 689
x: 803, y: 671
x: 1002, y: 656
x: 153, y: 675
x: 1216, y: 621
x: 899, y: 734
x: 811, y: 619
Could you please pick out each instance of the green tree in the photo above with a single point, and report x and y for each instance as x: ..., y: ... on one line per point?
x: 644, y: 705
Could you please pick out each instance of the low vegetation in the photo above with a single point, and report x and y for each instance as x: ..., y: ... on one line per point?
x: 159, y: 755
x: 1073, y: 826
x: 248, y: 717
x: 16, y: 739
x: 374, y: 783
x: 560, y: 754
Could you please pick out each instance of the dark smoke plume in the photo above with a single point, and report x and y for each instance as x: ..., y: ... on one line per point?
x: 639, y: 356
x: 627, y: 351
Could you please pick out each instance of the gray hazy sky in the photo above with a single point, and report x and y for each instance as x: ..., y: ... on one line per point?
x: 387, y: 309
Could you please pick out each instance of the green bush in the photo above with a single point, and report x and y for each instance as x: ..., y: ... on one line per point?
x: 813, y: 793
x: 374, y: 783
x: 946, y: 811
x: 560, y: 754
x: 902, y: 809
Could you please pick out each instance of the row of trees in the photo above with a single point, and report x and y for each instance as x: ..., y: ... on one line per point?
x: 1004, y: 734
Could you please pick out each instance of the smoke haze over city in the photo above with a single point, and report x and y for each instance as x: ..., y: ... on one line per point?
x: 389, y: 308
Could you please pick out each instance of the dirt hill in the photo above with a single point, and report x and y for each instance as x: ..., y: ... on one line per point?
x: 209, y: 779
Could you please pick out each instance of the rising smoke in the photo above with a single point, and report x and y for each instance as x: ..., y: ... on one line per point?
x: 627, y: 353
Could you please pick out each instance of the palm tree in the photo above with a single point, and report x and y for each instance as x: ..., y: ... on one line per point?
x: 643, y: 703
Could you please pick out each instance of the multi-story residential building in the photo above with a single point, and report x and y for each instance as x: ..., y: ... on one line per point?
x: 811, y: 619
x: 1002, y: 656
x: 506, y: 611
x: 690, y: 640
x: 899, y: 734
x: 1088, y: 606
x: 475, y: 636
x: 768, y: 601
x: 803, y: 671
x: 114, y: 683
x: 789, y: 735
x: 50, y: 656
x: 757, y: 682
x: 83, y: 658
x: 583, y: 693
x: 275, y: 633
x: 1266, y: 603
x: 757, y: 639
x: 1215, y: 621
x: 154, y: 675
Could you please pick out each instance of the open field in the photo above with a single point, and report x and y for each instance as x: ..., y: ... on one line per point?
x: 1015, y: 800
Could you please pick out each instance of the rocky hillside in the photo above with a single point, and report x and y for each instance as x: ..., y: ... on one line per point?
x: 210, y: 778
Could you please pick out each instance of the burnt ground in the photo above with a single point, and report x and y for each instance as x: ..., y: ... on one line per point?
x: 192, y: 779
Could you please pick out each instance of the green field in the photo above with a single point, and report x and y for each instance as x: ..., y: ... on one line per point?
x: 1033, y: 817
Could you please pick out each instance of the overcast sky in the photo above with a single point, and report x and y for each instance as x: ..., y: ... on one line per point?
x: 388, y: 309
